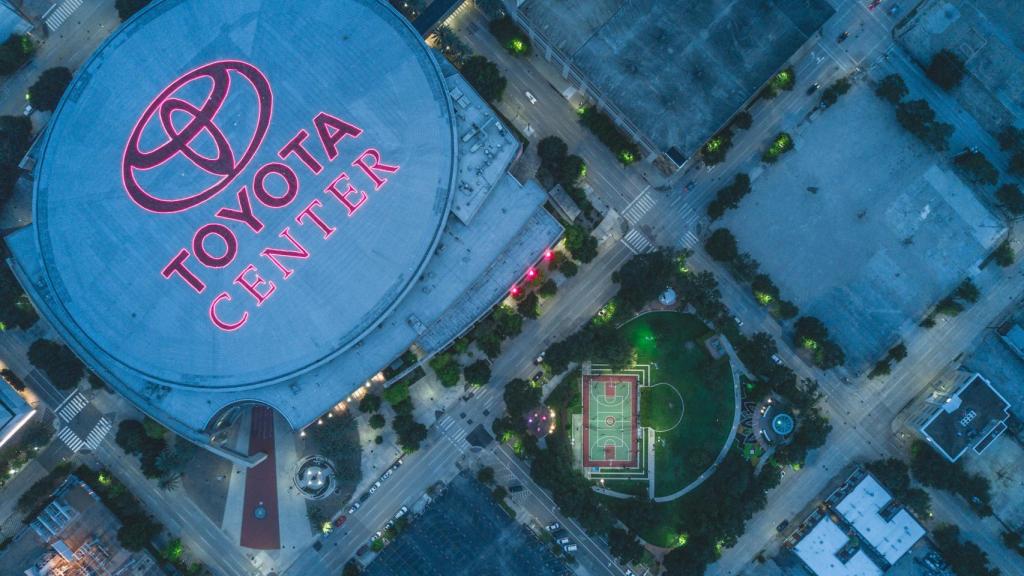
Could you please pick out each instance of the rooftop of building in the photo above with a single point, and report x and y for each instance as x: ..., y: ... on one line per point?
x: 828, y: 551
x: 198, y: 99
x: 14, y: 412
x: 972, y: 416
x: 677, y: 70
x: 890, y: 530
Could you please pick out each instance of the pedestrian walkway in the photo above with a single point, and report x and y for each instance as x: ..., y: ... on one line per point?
x: 59, y: 14
x: 71, y: 406
x: 454, y: 432
x: 96, y: 435
x: 640, y: 206
x: 637, y: 242
x: 69, y: 438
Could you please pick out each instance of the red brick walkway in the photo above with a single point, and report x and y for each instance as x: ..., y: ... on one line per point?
x: 261, y: 487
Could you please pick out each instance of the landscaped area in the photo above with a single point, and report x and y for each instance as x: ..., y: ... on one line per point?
x: 686, y: 399
x: 689, y: 400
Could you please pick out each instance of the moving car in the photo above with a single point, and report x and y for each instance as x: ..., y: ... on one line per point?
x: 690, y: 185
x: 813, y: 88
x: 531, y: 97
x: 874, y: 4
x: 842, y: 37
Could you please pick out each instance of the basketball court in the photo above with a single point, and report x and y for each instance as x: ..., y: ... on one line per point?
x: 610, y: 420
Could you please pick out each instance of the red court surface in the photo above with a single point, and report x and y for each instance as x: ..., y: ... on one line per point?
x: 610, y: 413
x: 260, y: 526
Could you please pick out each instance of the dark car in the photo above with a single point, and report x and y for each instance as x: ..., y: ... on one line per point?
x: 813, y: 88
x: 842, y: 37
x: 340, y: 521
x: 782, y: 526
x: 537, y: 377
x: 362, y: 549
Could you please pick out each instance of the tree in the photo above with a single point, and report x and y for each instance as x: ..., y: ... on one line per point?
x: 377, y: 421
x: 510, y: 35
x: 1016, y: 166
x: 624, y: 546
x: 721, y: 245
x: 964, y: 557
x: 569, y: 268
x: 138, y: 532
x: 918, y: 118
x: 369, y: 403
x: 478, y: 373
x: 14, y: 53
x: 410, y: 432
x: 352, y: 566
x: 127, y: 8
x: 396, y: 393
x: 15, y: 138
x: 1010, y: 196
x: 520, y: 397
x: 446, y: 368
x: 485, y: 78
x: 580, y: 244
x: 528, y: 306
x: 729, y: 196
x: 831, y: 94
x: 693, y: 558
x: 485, y: 475
x: 1004, y: 254
x: 976, y: 168
x: 552, y: 148
x: 548, y: 288
x: 892, y: 88
x: 743, y: 120
x: 946, y: 70
x: 46, y: 92
x: 931, y: 469
x: 714, y: 150
x: 701, y: 291
x: 58, y: 362
x: 642, y: 278
x: 174, y: 460
x: 967, y: 291
x: 16, y: 311
x: 1011, y: 138
x: 898, y: 352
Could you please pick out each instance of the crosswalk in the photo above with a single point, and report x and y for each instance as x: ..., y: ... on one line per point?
x: 98, y: 432
x: 68, y: 437
x: 71, y: 406
x: 637, y: 242
x: 58, y: 15
x: 450, y: 428
x: 638, y: 207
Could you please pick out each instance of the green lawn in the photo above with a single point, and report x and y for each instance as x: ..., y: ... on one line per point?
x: 674, y: 342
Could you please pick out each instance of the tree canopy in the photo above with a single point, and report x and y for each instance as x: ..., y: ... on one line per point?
x: 643, y: 278
x: 478, y: 373
x: 946, y: 70
x: 58, y: 362
x: 127, y: 8
x: 485, y: 78
x: 892, y: 88
x: 14, y: 53
x: 918, y: 118
x: 580, y: 244
x: 45, y: 93
x: 721, y: 245
x: 1009, y: 195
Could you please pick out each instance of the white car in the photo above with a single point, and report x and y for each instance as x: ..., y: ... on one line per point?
x: 553, y: 527
x: 570, y: 548
x: 531, y: 97
x: 401, y: 512
x: 387, y: 474
x: 776, y: 360
x: 563, y: 540
x: 737, y: 320
x: 355, y: 506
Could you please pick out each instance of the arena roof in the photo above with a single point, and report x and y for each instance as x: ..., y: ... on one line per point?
x: 232, y: 193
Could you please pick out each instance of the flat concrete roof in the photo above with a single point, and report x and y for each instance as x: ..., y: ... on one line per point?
x: 188, y: 109
x: 14, y: 412
x: 863, y: 508
x: 677, y: 70
x: 819, y: 549
x: 966, y: 417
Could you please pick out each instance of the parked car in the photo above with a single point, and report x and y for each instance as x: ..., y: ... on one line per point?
x: 553, y: 527
x: 340, y: 521
x: 782, y: 526
x: 401, y: 512
x: 355, y: 506
x: 28, y: 110
x: 387, y: 474
x: 515, y: 488
x: 630, y: 572
x: 540, y: 358
x: 570, y: 548
x: 737, y: 320
x: 362, y: 549
x: 531, y: 97
x: 537, y: 377
x: 563, y: 541
x: 874, y: 4
x: 690, y: 185
x: 776, y: 360
x: 842, y: 37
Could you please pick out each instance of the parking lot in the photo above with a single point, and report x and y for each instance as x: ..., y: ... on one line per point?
x: 884, y: 229
x: 465, y: 532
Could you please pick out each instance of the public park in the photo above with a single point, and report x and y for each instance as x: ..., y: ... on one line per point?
x: 656, y: 427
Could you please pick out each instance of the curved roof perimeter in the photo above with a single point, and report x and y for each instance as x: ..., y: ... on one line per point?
x: 232, y: 193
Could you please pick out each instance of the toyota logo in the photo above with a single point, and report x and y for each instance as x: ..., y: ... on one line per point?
x: 178, y: 140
